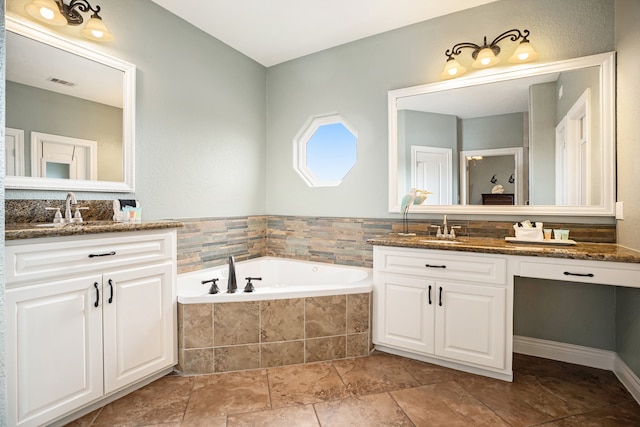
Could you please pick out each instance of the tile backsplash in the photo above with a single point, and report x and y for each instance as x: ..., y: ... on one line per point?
x: 208, y: 242
x: 204, y: 243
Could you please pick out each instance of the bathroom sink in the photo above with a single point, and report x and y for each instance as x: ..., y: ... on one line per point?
x: 441, y: 241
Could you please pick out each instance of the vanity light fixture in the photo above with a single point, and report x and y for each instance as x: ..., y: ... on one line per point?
x: 56, y: 12
x: 487, y: 55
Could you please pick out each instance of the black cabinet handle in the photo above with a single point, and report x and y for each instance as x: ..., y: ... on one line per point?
x: 111, y: 288
x: 429, y: 294
x: 440, y: 302
x: 566, y: 273
x: 97, y: 303
x: 435, y: 266
x: 104, y: 254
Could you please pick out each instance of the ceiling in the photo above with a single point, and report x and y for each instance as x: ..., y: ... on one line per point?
x: 275, y: 31
x: 489, y: 99
x: 32, y: 63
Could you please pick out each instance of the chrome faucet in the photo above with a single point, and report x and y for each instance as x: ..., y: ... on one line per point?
x: 71, y: 200
x: 232, y: 285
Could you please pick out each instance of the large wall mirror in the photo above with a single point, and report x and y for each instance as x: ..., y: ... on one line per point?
x: 70, y: 114
x: 537, y: 139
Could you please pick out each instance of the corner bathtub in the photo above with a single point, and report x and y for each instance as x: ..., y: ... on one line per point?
x: 300, y: 312
x: 281, y: 279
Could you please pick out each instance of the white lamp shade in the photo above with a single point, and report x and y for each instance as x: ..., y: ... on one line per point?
x: 452, y: 68
x: 486, y: 58
x: 96, y: 30
x: 524, y: 53
x: 46, y: 11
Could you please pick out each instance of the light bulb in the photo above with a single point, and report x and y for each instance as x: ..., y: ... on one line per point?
x: 524, y: 53
x: 485, y: 58
x: 452, y: 68
x: 46, y: 13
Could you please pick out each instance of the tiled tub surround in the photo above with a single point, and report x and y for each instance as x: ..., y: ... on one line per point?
x: 233, y: 336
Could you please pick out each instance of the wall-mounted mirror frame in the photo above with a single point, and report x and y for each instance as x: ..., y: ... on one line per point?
x: 606, y: 63
x: 128, y: 119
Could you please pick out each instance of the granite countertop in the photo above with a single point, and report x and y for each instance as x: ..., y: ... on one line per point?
x: 582, y: 250
x: 19, y: 231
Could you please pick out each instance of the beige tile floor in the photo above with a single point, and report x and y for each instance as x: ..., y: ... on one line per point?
x: 379, y: 390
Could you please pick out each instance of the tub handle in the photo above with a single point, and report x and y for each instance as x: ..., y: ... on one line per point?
x: 214, y: 285
x: 249, y: 287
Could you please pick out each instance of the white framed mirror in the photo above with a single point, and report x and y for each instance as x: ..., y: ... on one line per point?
x: 69, y: 92
x: 559, y: 116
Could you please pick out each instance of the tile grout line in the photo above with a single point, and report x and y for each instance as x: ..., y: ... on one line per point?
x: 400, y: 406
x: 186, y: 406
x: 482, y: 402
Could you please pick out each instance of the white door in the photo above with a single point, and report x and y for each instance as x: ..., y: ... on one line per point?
x: 573, y: 155
x: 56, y: 156
x: 54, y: 341
x: 139, y: 319
x: 470, y: 323
x: 432, y: 170
x: 405, y: 312
x: 14, y: 151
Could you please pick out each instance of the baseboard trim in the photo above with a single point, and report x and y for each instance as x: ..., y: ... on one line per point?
x: 627, y: 377
x: 579, y: 355
x: 570, y: 353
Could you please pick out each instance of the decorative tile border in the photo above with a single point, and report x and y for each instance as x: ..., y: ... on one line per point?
x: 207, y: 242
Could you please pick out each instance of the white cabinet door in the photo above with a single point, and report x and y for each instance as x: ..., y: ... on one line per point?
x: 470, y: 323
x: 405, y: 307
x: 139, y: 314
x: 54, y: 348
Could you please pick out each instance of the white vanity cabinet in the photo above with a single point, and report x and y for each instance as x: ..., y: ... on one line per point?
x: 452, y: 307
x: 86, y: 317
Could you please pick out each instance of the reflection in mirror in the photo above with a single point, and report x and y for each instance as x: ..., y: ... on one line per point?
x: 545, y: 136
x: 485, y: 173
x: 75, y: 109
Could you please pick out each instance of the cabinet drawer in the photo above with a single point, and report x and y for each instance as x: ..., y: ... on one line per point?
x: 34, y: 261
x: 438, y: 265
x: 601, y: 273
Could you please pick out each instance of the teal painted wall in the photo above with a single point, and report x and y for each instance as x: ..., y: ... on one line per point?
x: 628, y: 111
x: 29, y: 109
x: 430, y: 130
x: 542, y: 146
x: 353, y: 80
x: 628, y: 150
x: 574, y: 313
x: 628, y: 327
x: 200, y: 116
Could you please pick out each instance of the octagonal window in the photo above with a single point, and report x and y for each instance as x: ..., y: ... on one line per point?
x: 325, y: 151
